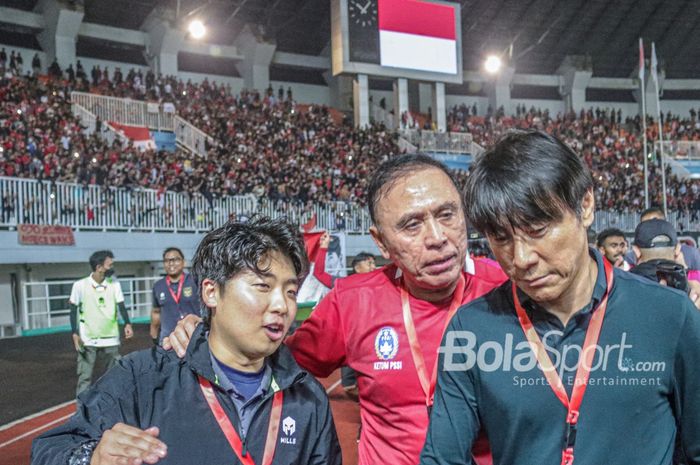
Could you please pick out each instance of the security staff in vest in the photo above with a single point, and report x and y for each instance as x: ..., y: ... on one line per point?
x: 238, y: 396
x: 94, y: 302
x: 174, y: 296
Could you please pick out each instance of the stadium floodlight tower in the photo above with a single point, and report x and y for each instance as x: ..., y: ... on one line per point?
x: 418, y: 40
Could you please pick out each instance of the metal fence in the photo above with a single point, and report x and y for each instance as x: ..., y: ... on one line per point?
x: 447, y: 142
x: 89, y: 121
x: 682, y: 149
x: 112, y: 209
x: 127, y: 111
x: 45, y: 304
x: 105, y: 208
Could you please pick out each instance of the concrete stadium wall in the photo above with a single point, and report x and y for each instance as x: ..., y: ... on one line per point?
x: 136, y: 255
x: 305, y: 93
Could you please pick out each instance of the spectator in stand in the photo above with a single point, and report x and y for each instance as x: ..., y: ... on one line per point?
x: 36, y: 65
x: 55, y: 70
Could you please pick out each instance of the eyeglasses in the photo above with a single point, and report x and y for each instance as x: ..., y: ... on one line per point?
x: 172, y: 260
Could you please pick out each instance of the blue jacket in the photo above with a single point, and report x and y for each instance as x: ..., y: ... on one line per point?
x: 155, y: 388
x: 643, y: 391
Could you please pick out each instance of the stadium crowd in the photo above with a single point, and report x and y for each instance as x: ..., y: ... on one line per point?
x: 268, y: 146
x: 611, y: 147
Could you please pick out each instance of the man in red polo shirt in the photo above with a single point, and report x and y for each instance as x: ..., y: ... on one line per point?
x: 387, y: 325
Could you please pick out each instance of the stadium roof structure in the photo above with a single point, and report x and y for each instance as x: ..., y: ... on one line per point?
x: 536, y: 35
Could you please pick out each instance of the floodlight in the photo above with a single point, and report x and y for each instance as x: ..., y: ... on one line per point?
x: 197, y: 29
x: 493, y: 64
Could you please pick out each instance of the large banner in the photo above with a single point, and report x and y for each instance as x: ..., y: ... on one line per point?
x: 312, y: 290
x: 45, y: 234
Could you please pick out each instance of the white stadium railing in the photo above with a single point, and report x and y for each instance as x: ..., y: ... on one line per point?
x: 682, y: 149
x: 129, y: 112
x: 119, y: 209
x: 445, y: 142
x: 112, y: 209
x: 191, y: 137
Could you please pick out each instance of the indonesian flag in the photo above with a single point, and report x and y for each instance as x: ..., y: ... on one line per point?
x: 417, y: 35
x: 312, y: 241
x: 139, y: 135
x: 309, y: 225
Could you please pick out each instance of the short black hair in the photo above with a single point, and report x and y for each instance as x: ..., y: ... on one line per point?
x: 610, y: 232
x: 173, y: 249
x: 655, y: 210
x: 234, y: 247
x: 98, y: 258
x: 361, y: 257
x: 527, y: 178
x: 389, y: 172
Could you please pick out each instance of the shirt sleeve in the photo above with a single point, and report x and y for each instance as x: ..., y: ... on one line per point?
x: 320, y: 269
x: 319, y: 344
x: 154, y: 295
x: 686, y: 385
x: 75, y: 295
x: 454, y: 421
x: 118, y: 295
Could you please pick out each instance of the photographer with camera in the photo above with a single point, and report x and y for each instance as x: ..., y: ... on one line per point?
x: 659, y: 257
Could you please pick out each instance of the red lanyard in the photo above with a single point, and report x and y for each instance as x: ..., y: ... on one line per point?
x: 176, y: 298
x: 418, y: 360
x: 584, y: 367
x: 230, y: 432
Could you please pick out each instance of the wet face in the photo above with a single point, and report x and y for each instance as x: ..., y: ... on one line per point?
x: 253, y: 313
x: 546, y: 260
x: 173, y: 263
x: 422, y: 229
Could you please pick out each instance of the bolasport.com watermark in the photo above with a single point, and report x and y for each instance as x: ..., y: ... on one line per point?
x: 611, y: 364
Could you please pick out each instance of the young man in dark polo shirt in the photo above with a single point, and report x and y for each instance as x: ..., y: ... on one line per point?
x: 571, y: 361
x: 174, y: 296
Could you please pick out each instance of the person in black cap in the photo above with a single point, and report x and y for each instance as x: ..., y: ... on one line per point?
x: 659, y: 256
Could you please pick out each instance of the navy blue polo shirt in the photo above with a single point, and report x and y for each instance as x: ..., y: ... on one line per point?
x: 170, y: 311
x: 643, y: 390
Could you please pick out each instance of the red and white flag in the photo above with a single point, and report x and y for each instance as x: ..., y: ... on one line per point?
x: 417, y: 35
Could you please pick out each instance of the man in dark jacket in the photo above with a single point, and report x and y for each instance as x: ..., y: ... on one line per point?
x: 655, y: 243
x: 237, y: 397
x: 573, y: 360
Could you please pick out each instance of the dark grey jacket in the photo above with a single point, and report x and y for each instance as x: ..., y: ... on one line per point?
x: 155, y: 388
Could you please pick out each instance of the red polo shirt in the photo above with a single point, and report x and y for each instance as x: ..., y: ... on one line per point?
x: 344, y: 329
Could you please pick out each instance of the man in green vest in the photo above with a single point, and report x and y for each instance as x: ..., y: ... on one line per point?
x: 94, y: 302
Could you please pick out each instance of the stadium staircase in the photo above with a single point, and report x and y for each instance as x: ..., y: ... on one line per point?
x: 154, y: 116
